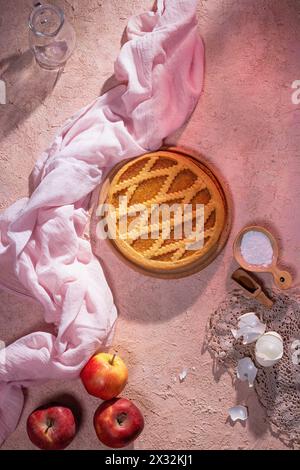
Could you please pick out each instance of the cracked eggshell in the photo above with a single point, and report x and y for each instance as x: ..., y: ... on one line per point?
x: 183, y: 374
x: 238, y: 412
x: 269, y: 349
x: 249, y: 327
x: 246, y: 370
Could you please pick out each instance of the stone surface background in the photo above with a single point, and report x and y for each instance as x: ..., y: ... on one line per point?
x: 246, y: 125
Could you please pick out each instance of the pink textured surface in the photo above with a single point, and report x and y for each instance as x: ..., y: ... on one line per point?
x: 246, y: 125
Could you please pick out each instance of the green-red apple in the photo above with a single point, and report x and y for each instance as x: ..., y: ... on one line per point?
x: 104, y: 376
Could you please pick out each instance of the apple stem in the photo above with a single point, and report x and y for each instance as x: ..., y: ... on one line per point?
x: 49, y: 425
x: 121, y: 418
x: 112, y: 360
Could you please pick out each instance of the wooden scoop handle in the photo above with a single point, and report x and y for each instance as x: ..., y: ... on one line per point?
x: 283, y: 279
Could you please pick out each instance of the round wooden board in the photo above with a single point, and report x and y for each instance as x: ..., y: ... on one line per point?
x: 202, y: 262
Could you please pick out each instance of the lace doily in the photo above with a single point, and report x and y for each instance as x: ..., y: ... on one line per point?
x: 277, y: 387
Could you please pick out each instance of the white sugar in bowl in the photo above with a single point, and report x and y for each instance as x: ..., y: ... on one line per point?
x: 269, y: 349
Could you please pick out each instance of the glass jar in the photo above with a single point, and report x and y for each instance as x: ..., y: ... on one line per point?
x: 51, y: 37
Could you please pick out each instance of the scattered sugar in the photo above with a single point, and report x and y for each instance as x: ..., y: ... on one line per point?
x: 256, y: 248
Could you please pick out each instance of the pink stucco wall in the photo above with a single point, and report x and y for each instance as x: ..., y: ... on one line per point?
x: 246, y: 125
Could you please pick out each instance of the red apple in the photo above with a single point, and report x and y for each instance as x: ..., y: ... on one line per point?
x: 104, y: 376
x: 118, y: 422
x: 51, y: 428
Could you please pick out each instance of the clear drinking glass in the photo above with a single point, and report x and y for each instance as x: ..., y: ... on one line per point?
x: 51, y: 37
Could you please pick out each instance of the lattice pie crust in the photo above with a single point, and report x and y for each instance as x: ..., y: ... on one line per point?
x: 164, y: 178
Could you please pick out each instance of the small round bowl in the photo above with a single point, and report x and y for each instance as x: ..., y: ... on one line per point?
x: 283, y: 279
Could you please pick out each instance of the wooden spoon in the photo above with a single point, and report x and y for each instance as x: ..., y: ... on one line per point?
x: 283, y: 279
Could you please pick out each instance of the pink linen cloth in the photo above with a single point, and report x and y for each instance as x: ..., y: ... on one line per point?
x: 42, y: 252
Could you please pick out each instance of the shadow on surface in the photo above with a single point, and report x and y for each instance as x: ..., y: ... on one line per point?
x: 27, y: 86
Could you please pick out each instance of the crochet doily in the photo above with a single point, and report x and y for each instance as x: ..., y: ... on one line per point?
x: 277, y: 387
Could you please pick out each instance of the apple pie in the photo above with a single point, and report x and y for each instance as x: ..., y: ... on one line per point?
x: 152, y: 200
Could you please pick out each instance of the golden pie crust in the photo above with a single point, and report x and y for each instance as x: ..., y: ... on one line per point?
x: 165, y: 177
